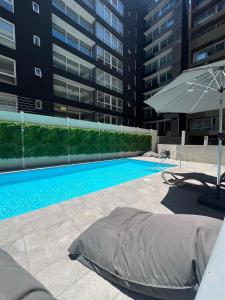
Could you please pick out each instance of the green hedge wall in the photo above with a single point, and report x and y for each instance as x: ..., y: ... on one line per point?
x: 40, y: 140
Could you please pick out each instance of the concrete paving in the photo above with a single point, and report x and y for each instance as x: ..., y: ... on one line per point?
x: 39, y: 240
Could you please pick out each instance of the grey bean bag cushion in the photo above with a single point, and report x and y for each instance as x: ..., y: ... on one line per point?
x: 162, y: 256
x: 17, y: 284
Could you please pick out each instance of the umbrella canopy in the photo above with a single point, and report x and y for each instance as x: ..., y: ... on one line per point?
x: 195, y: 90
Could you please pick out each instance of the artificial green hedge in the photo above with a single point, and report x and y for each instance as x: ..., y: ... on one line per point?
x: 40, y: 140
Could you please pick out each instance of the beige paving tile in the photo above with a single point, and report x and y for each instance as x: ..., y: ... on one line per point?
x: 11, y: 233
x: 40, y: 220
x: 62, y: 275
x: 22, y: 260
x: 90, y: 287
x: 17, y: 247
x: 44, y: 236
x: 50, y: 253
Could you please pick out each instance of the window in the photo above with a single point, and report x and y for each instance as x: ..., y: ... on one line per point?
x: 69, y: 11
x: 38, y: 104
x: 107, y: 119
x: 7, y: 70
x: 109, y: 81
x: 7, y: 4
x: 110, y: 102
x: 7, y: 34
x: 109, y: 39
x: 206, y: 15
x: 202, y: 124
x: 36, y: 40
x: 37, y: 72
x: 72, y: 90
x: 36, y: 7
x: 201, y: 55
x: 72, y: 41
x: 111, y: 61
x: 109, y: 17
x: 118, y: 5
x: 8, y: 102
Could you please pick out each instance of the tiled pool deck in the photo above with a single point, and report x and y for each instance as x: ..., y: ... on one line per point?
x: 39, y: 240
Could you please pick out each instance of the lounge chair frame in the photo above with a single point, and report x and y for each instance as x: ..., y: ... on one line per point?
x: 180, y: 179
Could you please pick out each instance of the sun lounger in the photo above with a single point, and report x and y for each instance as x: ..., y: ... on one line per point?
x: 179, y: 179
x: 163, y: 154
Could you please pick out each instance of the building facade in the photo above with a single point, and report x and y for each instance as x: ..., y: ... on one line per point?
x: 166, y: 56
x: 70, y: 58
x: 207, y: 45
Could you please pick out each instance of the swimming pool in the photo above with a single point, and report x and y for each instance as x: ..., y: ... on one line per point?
x: 25, y: 191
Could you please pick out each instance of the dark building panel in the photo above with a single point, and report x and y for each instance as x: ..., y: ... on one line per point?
x: 207, y: 45
x: 166, y: 56
x: 30, y: 56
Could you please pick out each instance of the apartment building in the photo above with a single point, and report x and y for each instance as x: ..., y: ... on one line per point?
x: 70, y: 58
x: 207, y: 45
x: 166, y: 56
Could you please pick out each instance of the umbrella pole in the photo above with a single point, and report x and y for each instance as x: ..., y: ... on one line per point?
x: 216, y: 199
x: 220, y: 141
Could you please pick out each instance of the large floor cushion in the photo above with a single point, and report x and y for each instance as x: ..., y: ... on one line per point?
x: 162, y: 256
x: 17, y: 284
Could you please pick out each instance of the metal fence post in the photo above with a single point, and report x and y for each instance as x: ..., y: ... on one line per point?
x: 68, y: 136
x: 121, y: 131
x: 22, y: 138
x: 99, y: 135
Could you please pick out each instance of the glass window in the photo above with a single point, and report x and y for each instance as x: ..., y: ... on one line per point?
x: 114, y: 63
x: 107, y: 80
x: 107, y: 58
x: 36, y: 7
x: 100, y: 54
x: 59, y: 61
x: 100, y: 8
x: 72, y: 41
x: 8, y: 102
x: 100, y: 31
x: 7, y: 34
x: 215, y: 123
x: 72, y: 14
x: 7, y: 4
x: 85, y: 115
x: 86, y: 96
x: 59, y: 4
x: 107, y: 37
x: 73, y: 67
x: 86, y: 49
x: 200, y: 56
x: 60, y: 89
x: 85, y: 72
x: 196, y: 124
x: 36, y: 40
x: 120, y: 7
x: 163, y: 44
x: 163, y: 61
x: 206, y: 123
x: 59, y: 33
x: 114, y: 43
x: 107, y: 14
x: 85, y: 24
x: 163, y: 77
x: 73, y: 92
x: 7, y: 70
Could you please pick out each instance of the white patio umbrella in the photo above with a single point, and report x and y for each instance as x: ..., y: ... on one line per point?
x: 195, y: 90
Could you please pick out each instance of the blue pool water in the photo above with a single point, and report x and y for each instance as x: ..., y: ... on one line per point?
x: 25, y: 191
